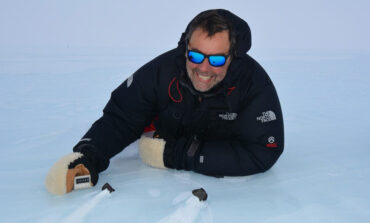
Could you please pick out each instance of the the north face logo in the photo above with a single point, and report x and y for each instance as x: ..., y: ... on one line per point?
x: 228, y: 116
x: 267, y: 116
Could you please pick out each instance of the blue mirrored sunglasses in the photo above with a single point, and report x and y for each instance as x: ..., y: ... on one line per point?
x: 216, y: 60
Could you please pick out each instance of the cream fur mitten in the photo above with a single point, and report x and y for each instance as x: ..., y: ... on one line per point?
x: 60, y: 179
x: 151, y: 151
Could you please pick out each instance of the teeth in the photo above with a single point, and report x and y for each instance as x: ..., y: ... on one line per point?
x: 205, y: 78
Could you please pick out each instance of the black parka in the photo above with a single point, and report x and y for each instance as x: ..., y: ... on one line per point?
x: 234, y: 129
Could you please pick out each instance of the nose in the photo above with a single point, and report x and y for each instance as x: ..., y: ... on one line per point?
x: 204, y: 66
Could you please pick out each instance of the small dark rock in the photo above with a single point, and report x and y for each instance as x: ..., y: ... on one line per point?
x: 109, y: 187
x: 201, y: 194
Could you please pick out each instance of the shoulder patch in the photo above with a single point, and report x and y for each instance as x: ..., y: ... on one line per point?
x: 271, y: 142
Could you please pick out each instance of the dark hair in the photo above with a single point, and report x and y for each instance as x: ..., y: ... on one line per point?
x: 212, y: 22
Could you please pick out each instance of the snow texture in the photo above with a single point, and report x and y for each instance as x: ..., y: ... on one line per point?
x: 60, y: 60
x: 49, y: 100
x: 80, y: 213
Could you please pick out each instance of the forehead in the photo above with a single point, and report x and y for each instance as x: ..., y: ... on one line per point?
x: 218, y: 43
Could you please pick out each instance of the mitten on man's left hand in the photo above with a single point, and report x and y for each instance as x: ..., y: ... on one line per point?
x: 151, y: 151
x: 158, y: 152
x: 163, y: 152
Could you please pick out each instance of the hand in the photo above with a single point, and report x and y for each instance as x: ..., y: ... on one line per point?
x: 163, y: 152
x: 151, y: 151
x: 60, y: 179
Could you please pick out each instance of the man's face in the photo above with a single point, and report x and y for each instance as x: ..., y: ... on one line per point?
x: 204, y: 76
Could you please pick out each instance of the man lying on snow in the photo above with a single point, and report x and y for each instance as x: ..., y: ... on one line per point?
x: 212, y: 109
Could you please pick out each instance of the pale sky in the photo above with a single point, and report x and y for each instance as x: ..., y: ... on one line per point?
x: 282, y: 24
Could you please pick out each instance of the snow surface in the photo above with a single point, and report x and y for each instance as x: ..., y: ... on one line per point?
x: 48, y: 100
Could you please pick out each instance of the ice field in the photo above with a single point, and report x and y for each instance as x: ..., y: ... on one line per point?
x: 48, y: 100
x: 60, y: 61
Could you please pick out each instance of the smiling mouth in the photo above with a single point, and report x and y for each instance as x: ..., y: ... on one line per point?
x: 203, y: 78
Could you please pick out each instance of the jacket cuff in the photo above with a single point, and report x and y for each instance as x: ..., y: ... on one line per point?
x: 97, y: 159
x: 169, y: 154
x: 174, y: 155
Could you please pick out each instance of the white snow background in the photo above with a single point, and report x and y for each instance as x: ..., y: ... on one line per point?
x: 59, y: 62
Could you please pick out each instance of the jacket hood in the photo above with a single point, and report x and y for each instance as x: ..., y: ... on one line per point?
x: 242, y: 46
x: 241, y: 29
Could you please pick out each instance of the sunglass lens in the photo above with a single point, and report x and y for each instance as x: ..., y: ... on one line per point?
x: 195, y: 57
x: 217, y: 61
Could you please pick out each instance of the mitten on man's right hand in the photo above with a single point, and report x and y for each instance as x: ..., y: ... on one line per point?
x: 60, y: 179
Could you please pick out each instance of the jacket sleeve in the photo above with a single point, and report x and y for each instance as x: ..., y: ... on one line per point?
x: 257, y: 143
x: 128, y: 111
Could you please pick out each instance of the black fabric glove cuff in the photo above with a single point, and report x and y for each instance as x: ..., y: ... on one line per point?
x: 169, y: 154
x: 174, y: 155
x: 98, y: 161
x: 88, y: 163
